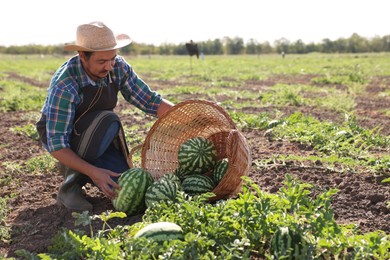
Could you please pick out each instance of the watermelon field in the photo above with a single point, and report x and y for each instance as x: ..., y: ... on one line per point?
x: 318, y: 129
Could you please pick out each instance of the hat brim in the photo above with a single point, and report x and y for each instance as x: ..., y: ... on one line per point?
x: 121, y: 41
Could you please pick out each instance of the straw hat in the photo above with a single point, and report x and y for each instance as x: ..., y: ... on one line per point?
x: 96, y: 36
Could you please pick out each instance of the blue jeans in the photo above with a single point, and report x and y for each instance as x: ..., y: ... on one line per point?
x: 109, y: 157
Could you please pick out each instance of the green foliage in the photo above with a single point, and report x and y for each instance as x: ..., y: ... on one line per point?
x: 354, y: 44
x: 28, y: 130
x: 259, y: 121
x: 283, y: 95
x: 20, y: 96
x: 346, y: 141
x: 229, y: 229
x: 4, y: 230
x: 42, y: 164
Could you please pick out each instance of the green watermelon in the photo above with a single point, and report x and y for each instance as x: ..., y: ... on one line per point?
x: 274, y: 123
x: 289, y: 244
x: 131, y: 196
x: 197, y: 155
x: 220, y: 170
x: 197, y: 184
x: 181, y: 174
x: 163, y: 189
x: 161, y: 231
x: 172, y: 177
x: 343, y: 135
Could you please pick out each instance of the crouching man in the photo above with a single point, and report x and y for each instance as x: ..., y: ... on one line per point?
x: 78, y: 126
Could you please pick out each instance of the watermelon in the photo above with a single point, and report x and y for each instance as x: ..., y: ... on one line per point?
x: 197, y: 155
x: 131, y: 196
x: 220, y: 170
x: 289, y: 244
x: 161, y: 231
x: 172, y: 177
x: 163, y: 189
x: 274, y: 123
x: 197, y: 184
x: 181, y: 174
x: 343, y: 135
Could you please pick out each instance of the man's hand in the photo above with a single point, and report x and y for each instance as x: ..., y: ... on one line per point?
x: 102, y: 179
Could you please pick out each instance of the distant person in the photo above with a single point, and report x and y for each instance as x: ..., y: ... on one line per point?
x: 78, y: 126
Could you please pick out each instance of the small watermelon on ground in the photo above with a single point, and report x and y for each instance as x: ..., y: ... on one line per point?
x: 289, y: 244
x: 220, y: 170
x: 274, y: 123
x: 197, y: 155
x: 343, y: 135
x: 161, y: 231
x: 131, y: 197
x: 197, y: 184
x: 163, y: 189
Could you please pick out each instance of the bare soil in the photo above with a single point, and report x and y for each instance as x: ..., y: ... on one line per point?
x: 35, y: 217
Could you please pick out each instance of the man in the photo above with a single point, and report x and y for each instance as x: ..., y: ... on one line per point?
x: 78, y: 126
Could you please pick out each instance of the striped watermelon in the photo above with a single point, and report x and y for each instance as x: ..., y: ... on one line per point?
x: 220, y: 170
x: 197, y: 184
x: 173, y: 178
x: 161, y: 231
x: 197, y: 155
x: 131, y: 197
x: 289, y: 244
x: 275, y: 123
x: 163, y: 189
x: 181, y: 174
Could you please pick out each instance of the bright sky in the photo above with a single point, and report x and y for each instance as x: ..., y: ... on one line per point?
x: 178, y: 21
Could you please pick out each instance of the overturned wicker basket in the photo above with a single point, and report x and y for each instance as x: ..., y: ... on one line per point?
x: 190, y: 119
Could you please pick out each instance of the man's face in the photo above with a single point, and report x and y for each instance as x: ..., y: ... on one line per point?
x: 99, y: 64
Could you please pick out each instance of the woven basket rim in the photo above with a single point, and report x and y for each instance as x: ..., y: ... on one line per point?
x: 188, y: 102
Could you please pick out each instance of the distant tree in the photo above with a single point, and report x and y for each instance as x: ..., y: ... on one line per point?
x: 253, y: 47
x: 147, y: 49
x: 166, y: 49
x: 386, y: 43
x: 353, y: 44
x: 212, y: 47
x: 180, y: 49
x: 217, y: 47
x: 377, y: 44
x: 328, y: 46
x: 341, y: 45
x: 234, y: 46
x: 312, y: 47
x: 297, y: 47
x: 282, y: 45
x: 266, y: 48
x: 356, y: 44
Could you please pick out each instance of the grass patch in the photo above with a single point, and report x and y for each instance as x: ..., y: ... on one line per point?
x: 349, y: 143
x: 42, y: 164
x: 28, y: 130
x: 17, y: 96
x: 4, y: 230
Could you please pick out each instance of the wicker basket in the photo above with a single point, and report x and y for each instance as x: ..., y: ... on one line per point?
x: 190, y: 119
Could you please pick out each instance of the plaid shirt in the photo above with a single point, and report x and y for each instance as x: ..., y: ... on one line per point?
x: 64, y: 95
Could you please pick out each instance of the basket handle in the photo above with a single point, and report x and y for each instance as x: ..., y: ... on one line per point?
x: 130, y: 157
